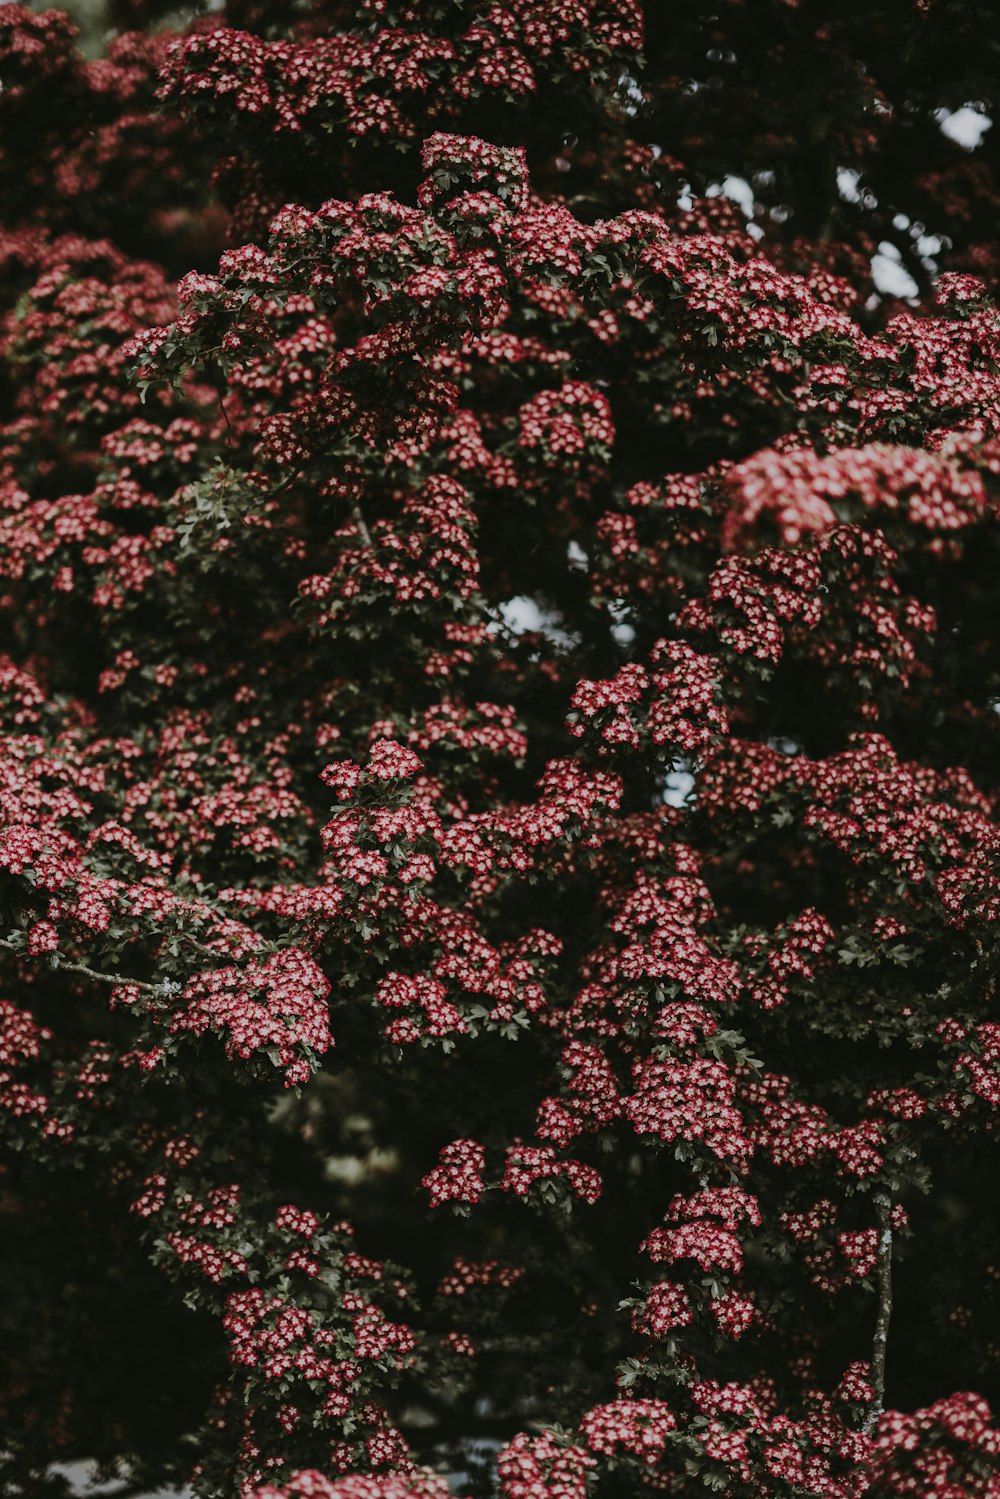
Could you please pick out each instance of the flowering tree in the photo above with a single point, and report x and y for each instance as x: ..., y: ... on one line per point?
x: 498, y: 760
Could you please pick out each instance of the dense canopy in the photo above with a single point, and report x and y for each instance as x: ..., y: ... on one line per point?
x: 500, y: 749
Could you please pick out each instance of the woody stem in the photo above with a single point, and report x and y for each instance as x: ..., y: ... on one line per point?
x: 883, y: 1210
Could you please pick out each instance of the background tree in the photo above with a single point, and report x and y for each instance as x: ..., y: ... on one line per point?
x: 498, y: 768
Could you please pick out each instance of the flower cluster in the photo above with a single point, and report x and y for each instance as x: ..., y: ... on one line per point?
x: 459, y: 1177
x: 277, y: 1007
x: 674, y: 705
x: 528, y: 1164
x: 542, y: 1468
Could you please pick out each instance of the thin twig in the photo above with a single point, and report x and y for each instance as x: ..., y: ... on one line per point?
x: 129, y: 1491
x: 230, y: 443
x: 985, y: 969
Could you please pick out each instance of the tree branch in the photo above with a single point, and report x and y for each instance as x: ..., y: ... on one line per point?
x: 362, y: 525
x: 69, y: 966
x: 883, y: 1210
